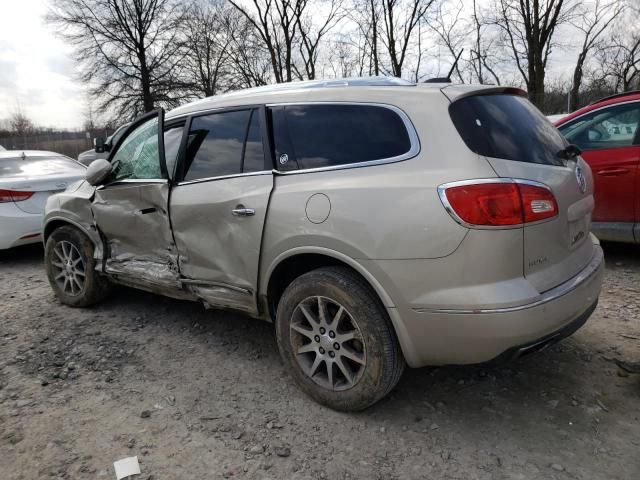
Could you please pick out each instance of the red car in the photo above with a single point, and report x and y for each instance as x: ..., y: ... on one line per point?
x: 607, y: 133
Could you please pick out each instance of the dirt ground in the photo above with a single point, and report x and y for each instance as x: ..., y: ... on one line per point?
x: 201, y: 394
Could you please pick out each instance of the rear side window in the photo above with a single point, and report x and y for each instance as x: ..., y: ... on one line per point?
x: 225, y: 143
x: 611, y: 127
x: 508, y: 127
x: 332, y: 135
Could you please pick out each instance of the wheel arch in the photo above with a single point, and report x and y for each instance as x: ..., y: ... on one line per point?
x: 291, y: 264
x: 53, y: 223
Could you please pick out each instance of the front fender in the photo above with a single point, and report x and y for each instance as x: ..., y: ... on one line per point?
x: 73, y: 208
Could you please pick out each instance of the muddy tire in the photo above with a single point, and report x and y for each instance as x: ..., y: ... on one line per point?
x: 336, y: 339
x: 70, y: 266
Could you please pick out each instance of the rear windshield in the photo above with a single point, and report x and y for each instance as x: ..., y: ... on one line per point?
x: 29, y: 167
x: 508, y: 127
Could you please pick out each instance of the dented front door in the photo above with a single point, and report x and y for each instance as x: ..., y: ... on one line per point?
x: 131, y: 208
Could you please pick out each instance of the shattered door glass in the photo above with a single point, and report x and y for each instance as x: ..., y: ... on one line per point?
x: 138, y: 156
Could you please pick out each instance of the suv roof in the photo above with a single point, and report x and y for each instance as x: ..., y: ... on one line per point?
x: 379, y: 90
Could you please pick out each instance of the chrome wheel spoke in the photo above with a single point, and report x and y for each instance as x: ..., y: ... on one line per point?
x: 345, y: 337
x: 308, y: 315
x: 336, y: 318
x: 348, y: 375
x: 322, y: 311
x: 309, y: 347
x: 59, y: 254
x: 316, y: 363
x: 330, y: 374
x: 353, y: 356
x: 303, y: 331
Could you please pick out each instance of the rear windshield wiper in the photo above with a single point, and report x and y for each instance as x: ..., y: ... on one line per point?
x: 570, y: 152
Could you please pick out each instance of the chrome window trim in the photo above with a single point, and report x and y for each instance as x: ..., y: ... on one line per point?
x: 135, y: 180
x: 224, y: 177
x: 414, y: 140
x: 475, y: 181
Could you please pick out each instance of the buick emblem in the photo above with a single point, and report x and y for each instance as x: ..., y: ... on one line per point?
x: 582, y: 183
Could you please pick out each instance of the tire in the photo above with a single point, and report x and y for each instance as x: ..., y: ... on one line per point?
x: 360, y: 347
x: 69, y: 247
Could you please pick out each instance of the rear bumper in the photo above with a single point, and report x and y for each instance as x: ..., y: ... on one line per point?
x: 455, y: 336
x: 18, y: 227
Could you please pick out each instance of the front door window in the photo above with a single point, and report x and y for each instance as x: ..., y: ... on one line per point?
x: 138, y: 155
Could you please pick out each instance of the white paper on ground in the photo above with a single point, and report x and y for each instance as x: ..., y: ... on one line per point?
x: 126, y: 467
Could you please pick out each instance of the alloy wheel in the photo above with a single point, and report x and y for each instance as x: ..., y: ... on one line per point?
x: 328, y: 343
x: 68, y: 267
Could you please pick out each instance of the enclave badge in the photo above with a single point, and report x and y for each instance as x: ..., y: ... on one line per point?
x: 582, y: 183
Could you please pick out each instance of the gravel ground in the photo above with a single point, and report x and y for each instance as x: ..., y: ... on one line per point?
x: 202, y: 394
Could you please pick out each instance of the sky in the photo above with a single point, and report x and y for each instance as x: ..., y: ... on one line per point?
x: 37, y: 71
x: 38, y: 74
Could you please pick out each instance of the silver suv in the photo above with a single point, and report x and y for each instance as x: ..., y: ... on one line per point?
x: 376, y: 222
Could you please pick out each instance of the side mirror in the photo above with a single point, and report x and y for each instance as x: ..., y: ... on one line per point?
x: 97, y: 171
x: 99, y: 144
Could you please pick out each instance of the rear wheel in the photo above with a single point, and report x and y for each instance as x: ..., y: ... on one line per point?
x: 336, y: 338
x: 71, y: 270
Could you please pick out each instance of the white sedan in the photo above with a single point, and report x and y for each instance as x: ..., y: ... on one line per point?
x: 27, y: 178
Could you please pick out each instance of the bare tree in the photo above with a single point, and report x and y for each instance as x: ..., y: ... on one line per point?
x: 209, y: 28
x: 594, y: 19
x: 480, y: 58
x: 528, y: 28
x: 19, y: 123
x: 399, y: 21
x: 365, y: 14
x: 250, y: 59
x: 619, y: 58
x: 127, y: 50
x: 277, y: 23
x: 451, y: 30
x: 312, y: 32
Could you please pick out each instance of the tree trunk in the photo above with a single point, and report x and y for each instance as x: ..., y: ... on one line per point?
x: 147, y: 96
x: 574, y: 101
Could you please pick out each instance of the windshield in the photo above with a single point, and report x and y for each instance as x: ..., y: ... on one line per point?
x: 508, y: 127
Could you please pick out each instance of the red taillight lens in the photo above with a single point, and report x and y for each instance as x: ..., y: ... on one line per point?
x: 538, y: 203
x: 14, y: 196
x: 500, y: 204
x: 494, y: 204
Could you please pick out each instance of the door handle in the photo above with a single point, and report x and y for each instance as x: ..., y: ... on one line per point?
x: 612, y: 172
x: 240, y: 211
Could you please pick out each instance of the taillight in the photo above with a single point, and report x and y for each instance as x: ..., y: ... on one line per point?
x: 14, y: 196
x: 498, y: 204
x: 538, y: 203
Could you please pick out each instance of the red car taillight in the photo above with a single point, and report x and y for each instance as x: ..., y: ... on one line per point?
x: 14, y: 196
x: 499, y: 204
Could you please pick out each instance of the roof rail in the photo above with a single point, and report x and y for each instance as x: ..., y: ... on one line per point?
x: 617, y: 95
x: 438, y: 80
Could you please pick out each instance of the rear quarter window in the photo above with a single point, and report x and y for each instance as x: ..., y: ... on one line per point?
x: 333, y: 135
x: 508, y: 127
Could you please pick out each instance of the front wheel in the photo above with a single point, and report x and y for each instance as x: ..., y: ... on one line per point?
x: 70, y: 267
x: 335, y: 337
